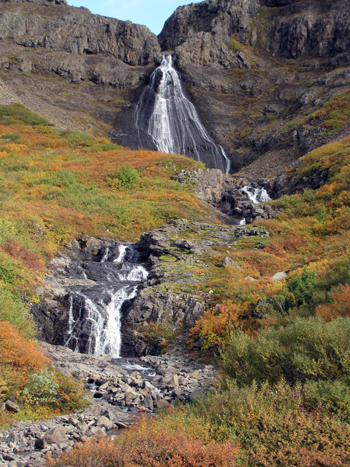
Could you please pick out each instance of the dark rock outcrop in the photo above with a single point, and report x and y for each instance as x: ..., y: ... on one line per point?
x: 200, y: 33
x: 77, y: 31
x: 295, y: 29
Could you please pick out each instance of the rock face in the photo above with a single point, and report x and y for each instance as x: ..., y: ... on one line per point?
x: 320, y: 28
x: 77, y: 31
x: 224, y: 51
x: 85, y: 291
x: 198, y: 31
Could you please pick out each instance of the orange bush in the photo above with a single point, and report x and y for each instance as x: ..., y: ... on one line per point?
x: 340, y: 305
x: 215, y: 323
x: 144, y: 445
x: 19, y: 357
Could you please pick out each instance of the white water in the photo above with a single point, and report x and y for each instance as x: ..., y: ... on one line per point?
x: 97, y: 328
x: 174, y: 125
x: 256, y: 195
x: 122, y: 252
x: 105, y: 256
x: 106, y: 322
x: 140, y: 368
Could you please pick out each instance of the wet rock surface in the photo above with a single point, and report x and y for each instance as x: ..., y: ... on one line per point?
x: 160, y: 313
x: 170, y: 296
x: 85, y: 288
x: 233, y: 195
x: 120, y: 389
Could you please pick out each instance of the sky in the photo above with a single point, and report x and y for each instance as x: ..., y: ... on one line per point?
x: 152, y: 13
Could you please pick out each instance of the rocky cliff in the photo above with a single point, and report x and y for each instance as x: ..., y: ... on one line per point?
x: 77, y: 31
x: 290, y: 28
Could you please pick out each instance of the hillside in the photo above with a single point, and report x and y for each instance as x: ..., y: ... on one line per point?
x: 230, y: 319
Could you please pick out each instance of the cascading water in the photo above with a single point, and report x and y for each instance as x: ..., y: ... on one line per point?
x: 94, y: 315
x: 166, y: 120
x: 256, y: 195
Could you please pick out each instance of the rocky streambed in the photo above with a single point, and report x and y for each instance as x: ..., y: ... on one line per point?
x: 118, y: 389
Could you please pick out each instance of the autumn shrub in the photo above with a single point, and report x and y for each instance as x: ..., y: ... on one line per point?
x: 302, y: 351
x: 340, y: 305
x: 151, y: 444
x: 275, y: 425
x: 19, y: 357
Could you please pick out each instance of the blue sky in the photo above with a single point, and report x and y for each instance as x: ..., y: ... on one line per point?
x: 152, y: 13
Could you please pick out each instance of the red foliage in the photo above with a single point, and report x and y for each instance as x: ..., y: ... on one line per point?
x: 20, y: 253
x: 340, y: 305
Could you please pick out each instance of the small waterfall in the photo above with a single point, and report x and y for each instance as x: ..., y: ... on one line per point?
x: 170, y: 121
x: 256, y: 195
x: 94, y: 315
x: 105, y: 256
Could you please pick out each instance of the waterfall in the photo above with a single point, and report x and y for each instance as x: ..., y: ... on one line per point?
x: 94, y: 315
x: 256, y: 195
x: 167, y: 119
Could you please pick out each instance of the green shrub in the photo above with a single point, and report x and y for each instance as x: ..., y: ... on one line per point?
x: 274, y: 425
x: 304, y: 350
x: 126, y: 175
x: 10, y: 137
x: 13, y: 310
x: 18, y: 112
x: 302, y: 287
x: 41, y: 389
x: 104, y: 147
x: 78, y: 138
x: 334, y: 395
x: 7, y: 229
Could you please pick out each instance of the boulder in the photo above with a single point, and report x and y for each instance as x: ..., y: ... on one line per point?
x: 229, y: 262
x: 12, y: 407
x: 162, y: 404
x: 105, y: 422
x: 56, y: 435
x: 279, y: 276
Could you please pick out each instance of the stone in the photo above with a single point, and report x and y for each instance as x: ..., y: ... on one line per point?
x: 229, y: 262
x: 12, y: 407
x: 105, y: 422
x: 279, y: 276
x: 56, y: 435
x: 148, y: 402
x: 249, y: 278
x: 174, y: 380
x: 12, y: 438
x: 162, y: 404
x: 40, y: 443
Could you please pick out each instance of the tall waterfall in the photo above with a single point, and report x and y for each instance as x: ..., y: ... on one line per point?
x: 95, y: 303
x: 165, y: 118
